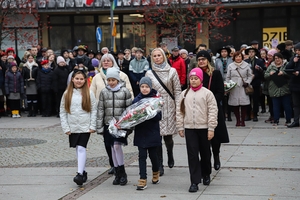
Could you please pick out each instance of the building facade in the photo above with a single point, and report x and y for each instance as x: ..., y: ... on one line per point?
x: 63, y: 24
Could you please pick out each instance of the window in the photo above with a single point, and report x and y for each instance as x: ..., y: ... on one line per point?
x: 60, y: 37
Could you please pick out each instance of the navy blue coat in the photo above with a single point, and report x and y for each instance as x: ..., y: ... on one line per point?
x: 147, y: 134
x: 14, y: 82
x: 59, y: 79
x: 44, y: 80
x: 295, y: 80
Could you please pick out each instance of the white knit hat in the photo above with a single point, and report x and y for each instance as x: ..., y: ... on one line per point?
x: 183, y: 51
x: 60, y: 59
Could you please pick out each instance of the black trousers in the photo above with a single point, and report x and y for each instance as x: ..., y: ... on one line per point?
x: 46, y: 101
x: 196, y: 141
x: 143, y: 163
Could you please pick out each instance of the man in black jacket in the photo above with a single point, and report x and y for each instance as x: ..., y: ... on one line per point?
x: 258, y: 68
x: 294, y: 67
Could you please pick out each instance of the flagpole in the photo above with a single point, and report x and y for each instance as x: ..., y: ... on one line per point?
x: 112, y: 24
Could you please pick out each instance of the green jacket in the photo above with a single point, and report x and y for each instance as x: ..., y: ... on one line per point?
x: 274, y: 90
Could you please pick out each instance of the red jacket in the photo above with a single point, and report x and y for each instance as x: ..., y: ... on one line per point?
x: 179, y: 65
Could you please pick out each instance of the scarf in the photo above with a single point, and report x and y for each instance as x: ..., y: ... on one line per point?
x: 46, y: 70
x: 115, y: 89
x: 161, y: 66
x: 224, y: 62
x: 238, y: 64
x: 195, y: 89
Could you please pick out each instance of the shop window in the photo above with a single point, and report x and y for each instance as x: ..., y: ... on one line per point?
x: 248, y: 13
x: 275, y: 12
x: 82, y: 19
x: 106, y: 18
x: 106, y: 37
x: 59, y: 19
x: 134, y: 36
x: 85, y: 35
x: 133, y: 18
x: 60, y: 37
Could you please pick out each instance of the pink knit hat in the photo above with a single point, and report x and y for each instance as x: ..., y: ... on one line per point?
x: 197, y: 72
x: 272, y: 52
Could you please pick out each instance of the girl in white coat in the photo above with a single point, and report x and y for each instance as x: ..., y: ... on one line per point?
x: 78, y: 113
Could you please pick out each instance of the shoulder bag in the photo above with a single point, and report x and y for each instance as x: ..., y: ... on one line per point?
x: 249, y: 89
x: 163, y: 85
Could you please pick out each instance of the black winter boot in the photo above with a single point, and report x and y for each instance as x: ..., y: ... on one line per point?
x: 117, y: 176
x: 170, y: 155
x: 123, y: 175
x: 78, y: 179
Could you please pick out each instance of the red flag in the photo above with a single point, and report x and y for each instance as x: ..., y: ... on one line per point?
x: 89, y: 2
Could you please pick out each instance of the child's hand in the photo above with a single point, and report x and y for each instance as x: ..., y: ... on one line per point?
x: 210, y: 135
x: 92, y: 131
x: 181, y: 133
x: 118, y: 127
x: 68, y: 133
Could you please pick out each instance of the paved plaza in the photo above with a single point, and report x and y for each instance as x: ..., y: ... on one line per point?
x: 260, y: 162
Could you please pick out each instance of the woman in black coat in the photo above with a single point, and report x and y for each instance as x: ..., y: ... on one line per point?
x: 213, y: 80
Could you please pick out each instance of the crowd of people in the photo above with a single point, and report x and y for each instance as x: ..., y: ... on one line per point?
x: 86, y: 89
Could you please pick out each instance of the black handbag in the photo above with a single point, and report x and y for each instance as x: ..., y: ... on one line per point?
x: 163, y: 85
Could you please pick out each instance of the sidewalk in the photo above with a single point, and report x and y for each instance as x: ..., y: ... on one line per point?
x: 260, y: 162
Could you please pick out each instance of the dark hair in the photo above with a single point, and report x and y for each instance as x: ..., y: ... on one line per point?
x: 30, y: 55
x: 279, y: 55
x: 79, y: 71
x: 182, y: 106
x: 236, y: 54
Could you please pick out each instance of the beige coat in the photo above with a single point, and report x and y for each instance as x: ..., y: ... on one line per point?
x: 201, y: 110
x: 237, y: 95
x: 99, y: 82
x: 169, y: 77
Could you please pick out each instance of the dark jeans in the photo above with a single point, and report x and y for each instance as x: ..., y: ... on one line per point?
x: 285, y: 101
x: 296, y: 105
x: 256, y: 99
x: 143, y: 163
x: 196, y: 141
x: 46, y: 101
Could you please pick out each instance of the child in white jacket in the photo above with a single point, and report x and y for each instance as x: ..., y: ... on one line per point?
x: 196, y: 119
x: 78, y: 113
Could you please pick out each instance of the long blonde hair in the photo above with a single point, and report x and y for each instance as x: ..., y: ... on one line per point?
x: 210, y: 69
x: 86, y: 99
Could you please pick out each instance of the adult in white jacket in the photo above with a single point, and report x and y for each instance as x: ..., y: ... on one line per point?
x: 78, y: 113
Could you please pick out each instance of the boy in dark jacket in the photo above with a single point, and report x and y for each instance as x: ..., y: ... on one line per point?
x: 147, y: 137
x: 14, y: 88
x: 44, y: 86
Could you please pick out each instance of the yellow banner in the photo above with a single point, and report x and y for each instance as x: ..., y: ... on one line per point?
x: 274, y: 36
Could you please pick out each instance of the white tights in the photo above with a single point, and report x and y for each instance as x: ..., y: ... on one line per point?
x: 117, y: 154
x: 81, y: 158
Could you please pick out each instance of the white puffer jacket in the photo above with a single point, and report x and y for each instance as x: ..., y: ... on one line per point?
x: 79, y: 121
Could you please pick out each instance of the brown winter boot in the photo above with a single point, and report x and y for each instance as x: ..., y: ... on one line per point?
x: 155, y: 177
x: 142, y: 184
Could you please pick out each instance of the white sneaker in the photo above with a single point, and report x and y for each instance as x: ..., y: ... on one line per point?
x: 18, y: 116
x: 14, y: 116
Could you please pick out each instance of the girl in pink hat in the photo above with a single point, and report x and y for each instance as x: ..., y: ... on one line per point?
x: 196, y: 119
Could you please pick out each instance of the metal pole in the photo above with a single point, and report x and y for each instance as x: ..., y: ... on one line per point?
x: 112, y: 24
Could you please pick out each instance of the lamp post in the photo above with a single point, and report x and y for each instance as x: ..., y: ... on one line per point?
x: 112, y: 25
